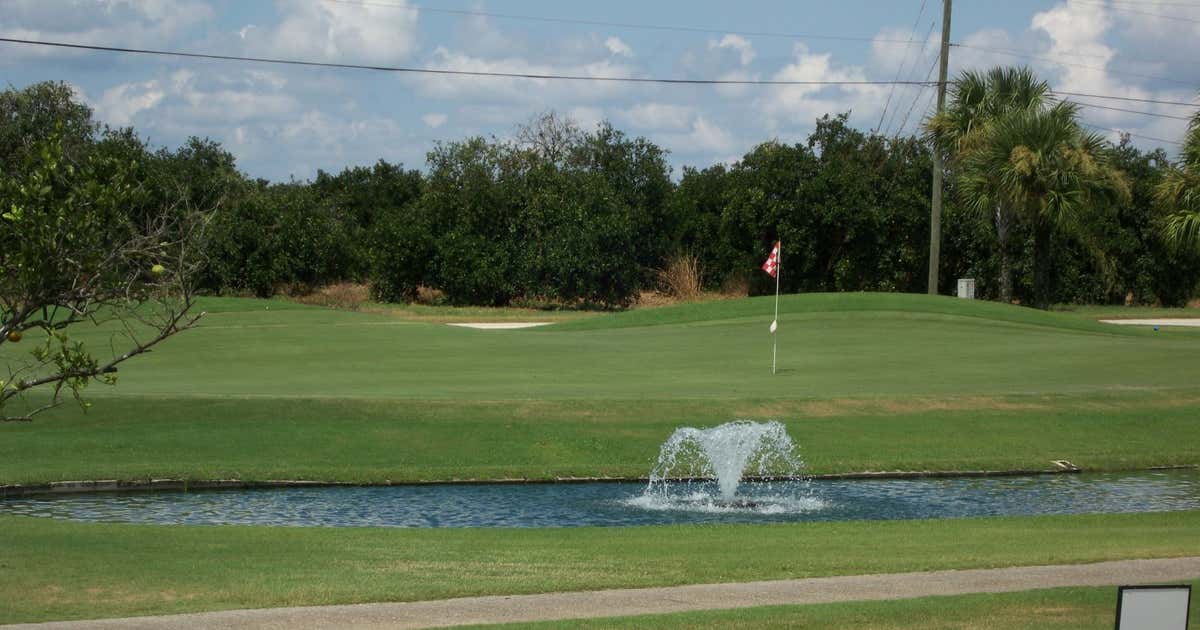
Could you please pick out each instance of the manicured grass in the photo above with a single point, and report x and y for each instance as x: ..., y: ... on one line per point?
x: 445, y: 314
x: 1128, y: 312
x: 858, y: 352
x: 387, y: 440
x: 867, y: 382
x: 1047, y: 609
x: 63, y: 570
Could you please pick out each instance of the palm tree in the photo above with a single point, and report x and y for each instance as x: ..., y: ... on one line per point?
x: 1179, y: 192
x: 1041, y: 165
x: 1018, y: 155
x: 976, y: 102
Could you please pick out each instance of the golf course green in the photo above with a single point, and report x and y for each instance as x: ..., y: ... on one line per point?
x: 267, y: 389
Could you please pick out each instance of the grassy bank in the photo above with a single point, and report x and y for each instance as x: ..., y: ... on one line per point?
x: 386, y: 440
x: 63, y: 570
x: 270, y: 389
x: 1047, y: 609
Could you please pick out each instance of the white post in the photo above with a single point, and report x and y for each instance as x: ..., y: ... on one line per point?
x: 775, y: 333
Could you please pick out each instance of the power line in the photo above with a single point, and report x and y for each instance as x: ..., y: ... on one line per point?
x: 1158, y: 3
x: 928, y: 76
x: 1008, y: 52
x: 1129, y: 133
x: 1069, y: 53
x: 903, y: 60
x: 1118, y: 9
x: 913, y: 105
x: 1126, y: 98
x: 528, y: 75
x: 1132, y: 111
x: 443, y: 71
x: 626, y: 25
x: 900, y: 70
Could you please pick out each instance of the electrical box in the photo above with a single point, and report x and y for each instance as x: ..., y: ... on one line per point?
x: 966, y: 288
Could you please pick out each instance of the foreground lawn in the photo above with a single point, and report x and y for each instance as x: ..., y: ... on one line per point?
x: 272, y: 389
x: 65, y: 570
x: 1049, y: 609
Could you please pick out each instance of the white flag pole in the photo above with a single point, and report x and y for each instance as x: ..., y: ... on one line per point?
x: 775, y: 323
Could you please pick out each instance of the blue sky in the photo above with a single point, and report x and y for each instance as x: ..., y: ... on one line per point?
x: 285, y: 122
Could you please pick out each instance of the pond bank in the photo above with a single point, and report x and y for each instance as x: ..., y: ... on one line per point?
x: 136, y: 485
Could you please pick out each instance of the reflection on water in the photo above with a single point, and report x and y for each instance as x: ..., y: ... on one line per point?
x: 544, y: 505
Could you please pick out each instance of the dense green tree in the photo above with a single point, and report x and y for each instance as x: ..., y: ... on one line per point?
x: 73, y: 255
x: 1035, y: 207
x: 363, y: 199
x: 1179, y: 192
x: 40, y: 113
x: 848, y: 207
x: 638, y: 175
x: 976, y: 101
x: 1019, y: 157
x: 698, y: 204
x: 1044, y: 167
x: 280, y: 236
x: 402, y: 252
x: 472, y: 203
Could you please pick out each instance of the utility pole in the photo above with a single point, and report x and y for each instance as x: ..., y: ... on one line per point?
x: 935, y: 213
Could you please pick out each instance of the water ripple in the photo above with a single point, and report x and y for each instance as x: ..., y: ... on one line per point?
x: 614, y: 504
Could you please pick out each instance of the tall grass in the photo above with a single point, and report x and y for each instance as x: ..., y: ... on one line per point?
x: 682, y: 277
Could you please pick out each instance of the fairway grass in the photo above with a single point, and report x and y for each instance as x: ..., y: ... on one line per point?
x: 380, y: 441
x: 267, y: 389
x: 1047, y: 609
x: 65, y: 570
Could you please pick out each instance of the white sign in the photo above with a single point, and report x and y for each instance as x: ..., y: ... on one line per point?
x: 1153, y: 607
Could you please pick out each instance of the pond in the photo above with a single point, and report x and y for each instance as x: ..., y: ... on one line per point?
x: 618, y: 504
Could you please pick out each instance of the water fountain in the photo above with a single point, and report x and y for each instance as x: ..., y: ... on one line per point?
x: 693, y: 462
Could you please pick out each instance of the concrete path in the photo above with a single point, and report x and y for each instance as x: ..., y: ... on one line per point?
x: 556, y: 606
x: 1176, y: 321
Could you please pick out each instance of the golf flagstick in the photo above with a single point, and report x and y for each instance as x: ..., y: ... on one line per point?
x: 772, y: 267
x: 775, y: 322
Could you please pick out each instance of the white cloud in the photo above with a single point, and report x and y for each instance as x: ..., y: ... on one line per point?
x: 132, y: 23
x: 657, y: 116
x: 184, y: 102
x: 618, y: 47
x: 434, y: 120
x: 348, y: 33
x: 1078, y: 29
x: 1144, y: 33
x: 738, y: 44
x: 537, y: 92
x: 1079, y: 32
x: 587, y: 117
x: 709, y: 137
x: 890, y: 52
x: 794, y: 105
x: 702, y: 137
x: 118, y: 105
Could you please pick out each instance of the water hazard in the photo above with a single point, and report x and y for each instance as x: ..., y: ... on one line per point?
x: 615, y: 504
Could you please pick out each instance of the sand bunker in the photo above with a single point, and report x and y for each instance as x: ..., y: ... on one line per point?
x: 503, y: 325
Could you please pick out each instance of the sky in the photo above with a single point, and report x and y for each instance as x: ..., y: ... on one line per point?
x: 285, y: 122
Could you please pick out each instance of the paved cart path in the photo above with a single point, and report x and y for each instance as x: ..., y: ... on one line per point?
x: 552, y: 606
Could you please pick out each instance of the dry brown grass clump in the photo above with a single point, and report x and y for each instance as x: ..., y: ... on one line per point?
x: 343, y: 295
x: 682, y: 278
x: 430, y: 296
x: 735, y: 286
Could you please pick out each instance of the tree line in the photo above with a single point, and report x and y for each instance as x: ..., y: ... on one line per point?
x: 1037, y: 210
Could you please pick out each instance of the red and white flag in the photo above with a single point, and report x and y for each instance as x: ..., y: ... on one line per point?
x: 772, y: 264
